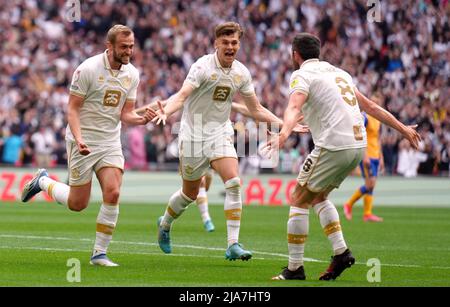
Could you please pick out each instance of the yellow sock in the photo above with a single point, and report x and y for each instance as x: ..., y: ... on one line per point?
x: 357, y: 195
x: 368, y: 203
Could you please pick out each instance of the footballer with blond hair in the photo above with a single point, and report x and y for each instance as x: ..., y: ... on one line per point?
x: 102, y: 95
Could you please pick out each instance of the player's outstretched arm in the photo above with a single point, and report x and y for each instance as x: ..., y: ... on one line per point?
x: 387, y: 118
x: 130, y: 116
x: 173, y: 104
x: 153, y: 105
x: 242, y: 109
x: 292, y: 115
x: 258, y: 112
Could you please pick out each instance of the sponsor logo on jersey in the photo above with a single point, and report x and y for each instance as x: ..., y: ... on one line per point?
x: 112, y: 98
x: 221, y: 93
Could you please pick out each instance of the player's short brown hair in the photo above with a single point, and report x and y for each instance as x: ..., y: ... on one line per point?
x: 228, y: 28
x: 307, y: 45
x: 116, y: 30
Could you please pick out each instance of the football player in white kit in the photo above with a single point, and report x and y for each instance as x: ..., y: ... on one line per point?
x: 330, y: 102
x: 206, y: 133
x: 102, y: 94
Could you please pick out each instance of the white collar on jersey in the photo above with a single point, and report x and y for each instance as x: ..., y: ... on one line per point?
x: 224, y: 69
x: 309, y: 61
x: 106, y: 62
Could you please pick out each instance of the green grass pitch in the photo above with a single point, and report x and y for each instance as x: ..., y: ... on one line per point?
x: 36, y: 241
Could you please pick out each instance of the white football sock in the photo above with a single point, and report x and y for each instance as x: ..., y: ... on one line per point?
x: 233, y: 209
x: 329, y: 219
x: 297, y: 232
x: 106, y: 223
x: 178, y: 202
x: 56, y: 190
x: 202, y: 204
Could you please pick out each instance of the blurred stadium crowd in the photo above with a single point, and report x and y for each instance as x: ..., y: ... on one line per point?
x: 404, y: 57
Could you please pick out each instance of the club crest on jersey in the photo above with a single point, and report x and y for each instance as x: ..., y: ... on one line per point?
x: 237, y: 79
x: 101, y: 79
x: 213, y: 77
x: 188, y: 170
x: 75, y: 173
x: 126, y: 81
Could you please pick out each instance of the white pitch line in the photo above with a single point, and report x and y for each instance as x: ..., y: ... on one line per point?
x: 142, y: 243
x: 51, y: 249
x: 181, y: 246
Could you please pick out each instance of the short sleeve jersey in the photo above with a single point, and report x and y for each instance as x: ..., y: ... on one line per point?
x: 206, y: 113
x: 331, y: 110
x: 104, y: 92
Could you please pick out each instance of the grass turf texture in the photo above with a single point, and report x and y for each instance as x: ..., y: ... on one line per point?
x: 36, y: 240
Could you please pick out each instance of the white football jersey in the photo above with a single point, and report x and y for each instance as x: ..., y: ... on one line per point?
x: 105, y: 92
x: 331, y: 110
x: 206, y: 113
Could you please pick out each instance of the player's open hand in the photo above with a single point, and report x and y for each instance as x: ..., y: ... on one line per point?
x: 83, y: 149
x: 161, y: 116
x: 274, y: 143
x: 148, y: 115
x: 299, y: 128
x: 412, y: 136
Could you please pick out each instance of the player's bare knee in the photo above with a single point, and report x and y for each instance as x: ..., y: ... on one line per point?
x: 370, y: 186
x: 301, y: 197
x: 111, y: 196
x: 77, y: 205
x: 191, y: 192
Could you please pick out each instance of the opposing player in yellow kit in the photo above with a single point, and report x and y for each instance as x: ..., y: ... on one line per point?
x: 370, y: 165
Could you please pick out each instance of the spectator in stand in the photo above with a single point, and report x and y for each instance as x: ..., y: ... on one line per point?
x: 407, y: 50
x: 12, y: 147
x: 44, y: 142
x: 409, y: 159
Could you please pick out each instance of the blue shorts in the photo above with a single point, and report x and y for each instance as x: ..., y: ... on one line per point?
x: 372, y: 170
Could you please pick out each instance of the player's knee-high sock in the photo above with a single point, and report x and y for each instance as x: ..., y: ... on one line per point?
x: 368, y: 203
x: 202, y: 204
x: 357, y: 195
x: 233, y: 209
x: 106, y: 223
x: 297, y: 232
x: 329, y: 219
x: 178, y: 202
x: 56, y: 190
